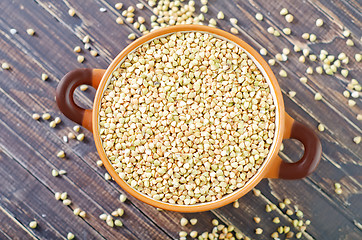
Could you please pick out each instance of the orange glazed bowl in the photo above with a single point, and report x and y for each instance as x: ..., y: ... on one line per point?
x: 272, y: 167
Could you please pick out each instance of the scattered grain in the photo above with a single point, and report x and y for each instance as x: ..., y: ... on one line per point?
x: 276, y: 33
x: 70, y: 236
x: 303, y: 80
x: 276, y: 220
x: 358, y: 57
x: 357, y: 139
x: 76, y: 211
x: 346, y: 33
x: 346, y: 94
x: 351, y: 102
x: 283, y: 73
x: 61, y: 154
x: 220, y: 15
x: 318, y: 96
x: 57, y: 120
x: 94, y: 53
x: 319, y: 70
x: 67, y: 202
x: 55, y: 173
x: 256, y: 192
x: 233, y: 21
x: 103, y: 216
x: 86, y: 39
x: 319, y: 22
x: 312, y: 37
x: 13, y: 31
x: 312, y: 57
x: 33, y: 224
x: 122, y: 198
x: 71, y: 135
x: 57, y: 195
x: 301, y: 59
x: 259, y: 16
x: 289, y: 18
x: 80, y: 137
x: 193, y: 234
x: 119, y: 20
x: 289, y: 212
x: 271, y: 62
x: 118, y: 6
x: 184, y: 221
x: 182, y: 234
x: 80, y: 59
x: 344, y: 72
x: 212, y: 22
x: 193, y: 221
x: 258, y: 231
x: 263, y: 52
x: 355, y: 94
x: 257, y: 219
x: 215, y: 222
x: 71, y: 12
x: 30, y: 31
x: 46, y: 116
x: 274, y: 235
x: 284, y: 11
x: 292, y: 94
x: 299, y: 214
x: 268, y: 208
x: 270, y: 30
x: 77, y: 49
x: 107, y: 176
x: 305, y: 36
x: 306, y: 52
x: 44, y: 76
x: 349, y: 42
x: 234, y: 30
x: 52, y: 124
x: 118, y: 223
x: 5, y: 66
x: 296, y: 48
x: 309, y: 70
x: 131, y: 36
x: 236, y: 204
x: 120, y: 212
x: 321, y: 127
x: 287, y: 31
x: 35, y: 116
x: 83, y: 88
x: 204, y: 9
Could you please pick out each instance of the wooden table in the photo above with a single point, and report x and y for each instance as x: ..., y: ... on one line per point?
x: 28, y: 147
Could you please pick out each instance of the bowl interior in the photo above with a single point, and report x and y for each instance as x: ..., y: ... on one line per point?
x: 264, y: 69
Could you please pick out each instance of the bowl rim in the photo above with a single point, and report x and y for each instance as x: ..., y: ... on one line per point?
x: 278, y: 135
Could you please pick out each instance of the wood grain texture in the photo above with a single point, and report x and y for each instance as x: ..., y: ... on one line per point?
x: 28, y: 147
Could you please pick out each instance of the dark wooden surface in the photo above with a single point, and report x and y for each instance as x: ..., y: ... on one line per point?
x: 28, y: 148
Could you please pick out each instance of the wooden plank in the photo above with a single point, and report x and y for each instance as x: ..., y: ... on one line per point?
x: 11, y: 228
x: 86, y: 151
x: 80, y: 149
x: 334, y: 104
x: 346, y: 13
x: 153, y: 213
x: 90, y: 197
x: 311, y: 203
x: 28, y: 200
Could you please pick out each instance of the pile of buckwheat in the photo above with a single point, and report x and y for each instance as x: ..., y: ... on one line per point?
x: 187, y: 118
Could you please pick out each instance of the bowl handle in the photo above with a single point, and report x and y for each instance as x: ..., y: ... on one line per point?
x: 311, y: 157
x: 65, y: 91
